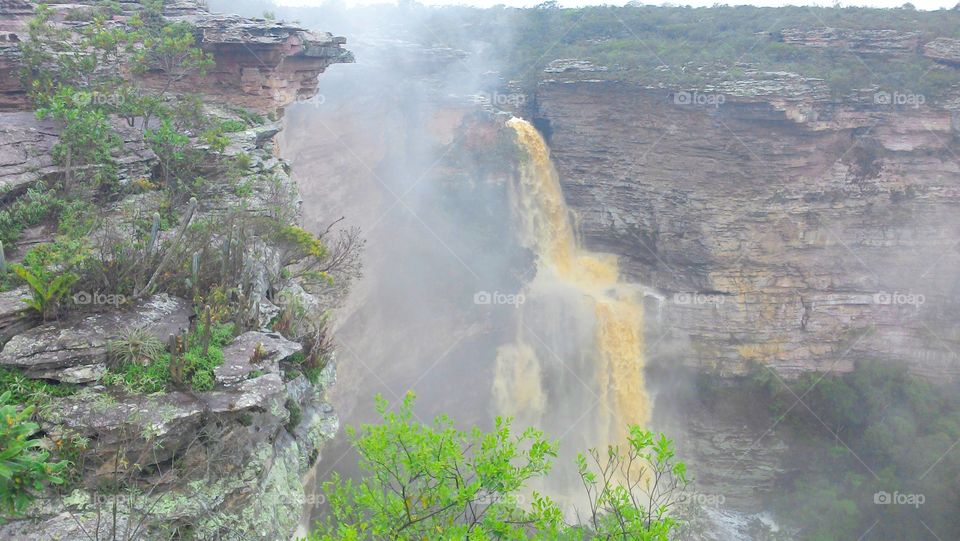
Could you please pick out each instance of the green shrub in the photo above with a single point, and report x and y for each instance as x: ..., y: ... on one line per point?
x: 24, y: 467
x: 296, y: 414
x: 232, y: 126
x: 30, y: 391
x: 432, y: 481
x: 155, y: 375
x: 28, y: 210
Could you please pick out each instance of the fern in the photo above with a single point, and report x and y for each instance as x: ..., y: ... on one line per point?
x: 45, y: 296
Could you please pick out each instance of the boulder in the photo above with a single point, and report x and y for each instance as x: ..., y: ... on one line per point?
x: 240, y: 357
x: 75, y: 350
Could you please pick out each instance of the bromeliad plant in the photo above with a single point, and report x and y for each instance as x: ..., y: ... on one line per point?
x: 24, y: 467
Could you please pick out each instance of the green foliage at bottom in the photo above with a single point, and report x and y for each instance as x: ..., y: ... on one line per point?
x: 873, y: 435
x: 436, y: 482
x: 24, y: 467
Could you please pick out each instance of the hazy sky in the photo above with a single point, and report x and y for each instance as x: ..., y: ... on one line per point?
x: 920, y: 4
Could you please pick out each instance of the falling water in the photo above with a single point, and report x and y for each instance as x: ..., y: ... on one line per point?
x: 577, y: 363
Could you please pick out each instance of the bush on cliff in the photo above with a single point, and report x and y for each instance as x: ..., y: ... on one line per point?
x: 24, y: 468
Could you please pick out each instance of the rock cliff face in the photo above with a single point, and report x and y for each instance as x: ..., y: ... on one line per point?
x: 226, y: 463
x: 776, y: 227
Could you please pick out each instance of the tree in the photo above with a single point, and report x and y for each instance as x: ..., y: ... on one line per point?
x: 436, y: 482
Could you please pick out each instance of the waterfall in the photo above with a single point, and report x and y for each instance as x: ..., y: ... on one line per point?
x: 578, y: 353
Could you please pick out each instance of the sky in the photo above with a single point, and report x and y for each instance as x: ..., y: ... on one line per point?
x: 920, y: 4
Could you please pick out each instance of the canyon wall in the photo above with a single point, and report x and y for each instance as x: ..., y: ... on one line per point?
x: 776, y: 225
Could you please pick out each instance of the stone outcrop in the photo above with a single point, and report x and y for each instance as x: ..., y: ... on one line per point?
x: 870, y: 41
x: 241, y: 450
x: 260, y: 64
x: 946, y: 50
x: 75, y: 350
x: 800, y: 234
x: 564, y: 65
x: 264, y: 64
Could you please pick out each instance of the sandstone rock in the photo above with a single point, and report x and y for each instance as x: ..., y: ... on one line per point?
x: 75, y: 349
x: 152, y: 429
x: 878, y: 41
x: 264, y: 64
x: 251, y: 351
x: 12, y: 96
x: 944, y: 50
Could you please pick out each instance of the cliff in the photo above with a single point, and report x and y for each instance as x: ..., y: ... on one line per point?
x: 225, y: 461
x: 780, y: 226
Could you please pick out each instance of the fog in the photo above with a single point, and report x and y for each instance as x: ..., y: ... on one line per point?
x: 466, y: 299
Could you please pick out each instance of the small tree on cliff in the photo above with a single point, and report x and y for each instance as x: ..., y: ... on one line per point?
x: 436, y: 482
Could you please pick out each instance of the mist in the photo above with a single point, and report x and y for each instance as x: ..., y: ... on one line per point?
x: 464, y: 302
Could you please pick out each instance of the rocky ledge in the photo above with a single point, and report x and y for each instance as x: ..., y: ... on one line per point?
x: 944, y: 50
x: 260, y: 64
x: 869, y: 41
x: 75, y: 350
